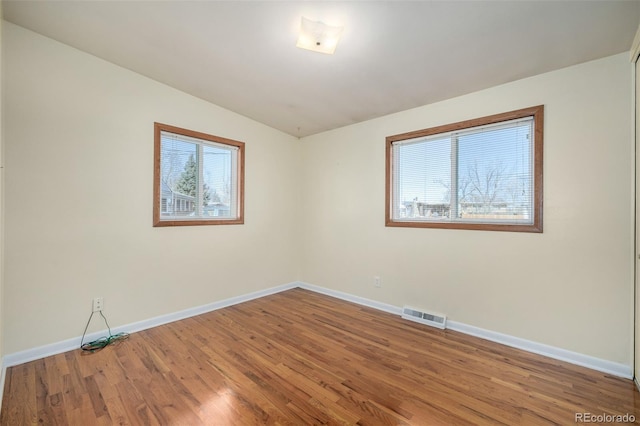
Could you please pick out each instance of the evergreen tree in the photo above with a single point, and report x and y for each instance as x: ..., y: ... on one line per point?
x: 187, y: 184
x: 206, y: 197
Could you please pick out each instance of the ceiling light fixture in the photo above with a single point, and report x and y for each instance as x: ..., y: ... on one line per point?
x: 318, y: 36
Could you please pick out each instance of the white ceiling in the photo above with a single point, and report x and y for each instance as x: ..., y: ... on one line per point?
x: 394, y: 55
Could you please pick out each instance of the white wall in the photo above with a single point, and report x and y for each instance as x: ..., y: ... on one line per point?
x: 79, y: 168
x: 570, y: 287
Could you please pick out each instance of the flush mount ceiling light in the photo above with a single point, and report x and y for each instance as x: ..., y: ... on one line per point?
x: 318, y: 36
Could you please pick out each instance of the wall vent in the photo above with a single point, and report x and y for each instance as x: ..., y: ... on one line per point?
x: 429, y: 318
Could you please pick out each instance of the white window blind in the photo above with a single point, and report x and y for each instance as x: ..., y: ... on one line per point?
x: 198, y: 179
x: 481, y: 174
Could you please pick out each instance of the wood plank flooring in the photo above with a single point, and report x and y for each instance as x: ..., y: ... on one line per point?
x: 301, y: 358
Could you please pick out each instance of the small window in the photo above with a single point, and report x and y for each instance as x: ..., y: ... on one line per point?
x: 483, y: 174
x: 198, y: 179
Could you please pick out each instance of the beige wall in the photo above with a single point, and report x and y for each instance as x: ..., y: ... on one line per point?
x: 2, y: 322
x: 636, y: 371
x: 636, y: 64
x: 79, y: 158
x: 570, y: 287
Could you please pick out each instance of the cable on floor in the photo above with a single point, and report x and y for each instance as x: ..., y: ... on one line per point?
x: 102, y: 342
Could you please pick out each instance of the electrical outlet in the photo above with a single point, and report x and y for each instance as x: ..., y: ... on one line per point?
x: 377, y: 281
x: 98, y: 303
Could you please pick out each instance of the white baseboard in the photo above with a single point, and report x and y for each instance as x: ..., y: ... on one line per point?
x: 609, y: 367
x: 74, y: 343
x: 351, y: 298
x: 635, y: 380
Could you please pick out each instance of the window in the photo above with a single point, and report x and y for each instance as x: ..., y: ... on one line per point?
x: 483, y: 174
x: 198, y: 179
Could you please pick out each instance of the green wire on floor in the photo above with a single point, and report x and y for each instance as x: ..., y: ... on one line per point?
x: 102, y: 342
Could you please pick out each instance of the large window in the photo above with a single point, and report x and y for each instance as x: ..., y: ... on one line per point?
x: 198, y: 179
x: 483, y: 174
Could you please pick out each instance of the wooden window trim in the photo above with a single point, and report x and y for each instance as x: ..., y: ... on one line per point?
x: 537, y: 112
x: 157, y: 222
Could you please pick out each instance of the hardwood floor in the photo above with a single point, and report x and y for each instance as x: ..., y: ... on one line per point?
x: 302, y: 358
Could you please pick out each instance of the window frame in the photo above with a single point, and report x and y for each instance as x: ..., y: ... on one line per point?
x: 157, y: 187
x: 537, y: 112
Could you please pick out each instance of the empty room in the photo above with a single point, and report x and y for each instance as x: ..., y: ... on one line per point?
x: 301, y: 212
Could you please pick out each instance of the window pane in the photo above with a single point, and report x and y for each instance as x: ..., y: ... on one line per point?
x: 178, y: 174
x: 218, y: 187
x: 423, y: 176
x: 494, y: 174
